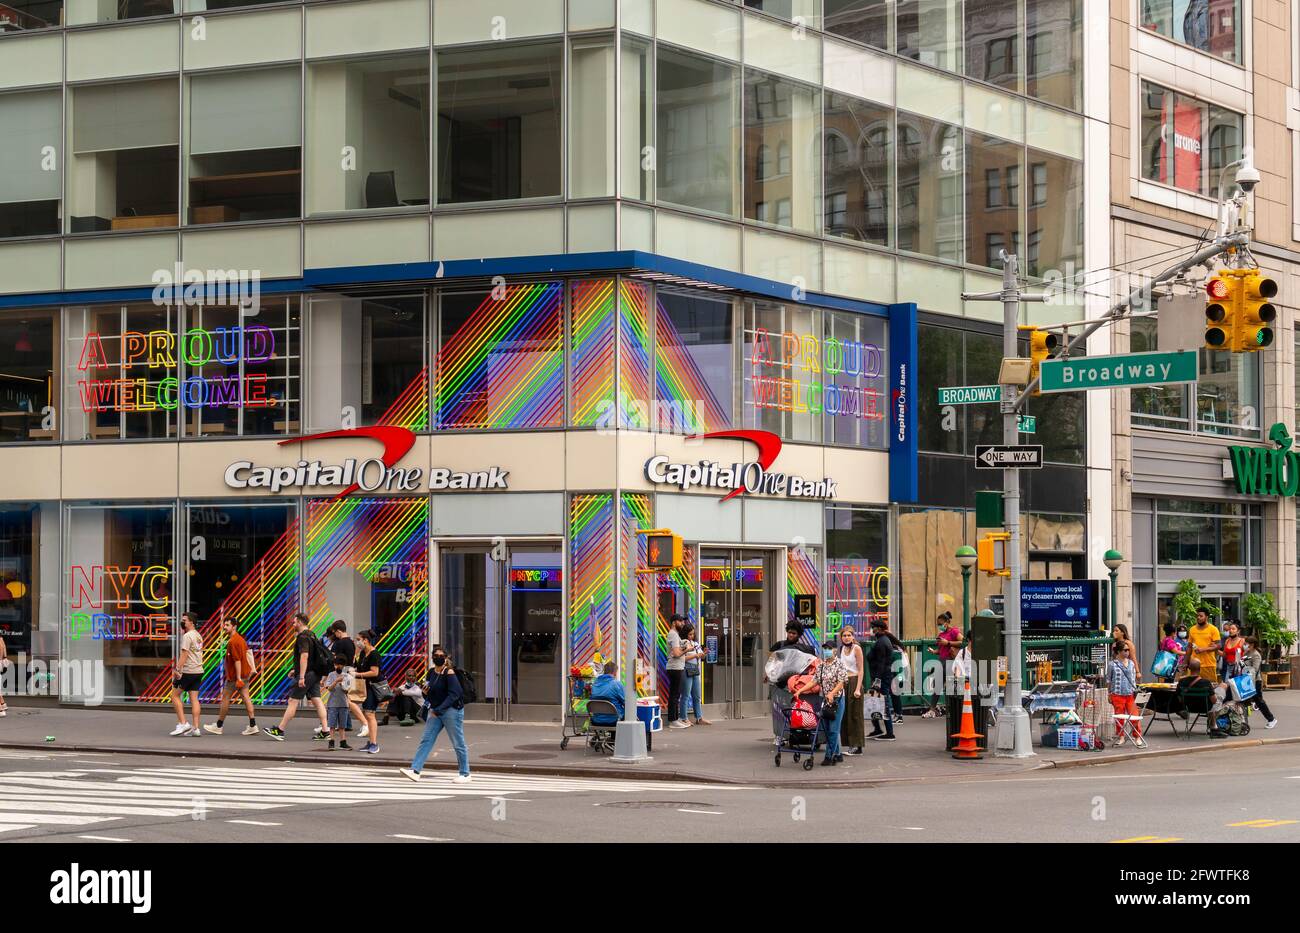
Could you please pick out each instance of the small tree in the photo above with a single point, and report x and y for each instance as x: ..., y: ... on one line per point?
x: 1188, y: 601
x: 1260, y: 614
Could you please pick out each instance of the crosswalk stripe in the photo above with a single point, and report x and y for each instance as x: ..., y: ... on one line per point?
x: 15, y: 827
x: 254, y: 823
x: 418, y: 838
x: 104, y: 838
x: 64, y: 819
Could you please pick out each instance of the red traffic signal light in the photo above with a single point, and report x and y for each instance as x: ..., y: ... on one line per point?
x: 663, y: 551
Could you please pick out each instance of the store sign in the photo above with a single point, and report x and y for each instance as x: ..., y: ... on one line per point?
x: 101, y: 597
x: 1264, y: 471
x: 1059, y: 606
x: 754, y: 476
x: 801, y: 374
x: 374, y: 474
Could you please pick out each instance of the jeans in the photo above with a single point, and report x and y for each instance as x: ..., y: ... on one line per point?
x: 691, y: 697
x: 833, y: 727
x: 454, y: 722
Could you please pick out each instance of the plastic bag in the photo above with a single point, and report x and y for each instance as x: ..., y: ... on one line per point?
x: 802, y: 715
x: 873, y: 704
x: 784, y: 662
x: 1165, y: 663
x: 1242, y: 687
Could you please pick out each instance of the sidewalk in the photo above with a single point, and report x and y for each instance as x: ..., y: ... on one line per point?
x: 731, y: 752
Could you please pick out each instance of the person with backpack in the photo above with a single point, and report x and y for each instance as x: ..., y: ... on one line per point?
x: 446, y: 697
x: 369, y: 672
x: 309, y: 663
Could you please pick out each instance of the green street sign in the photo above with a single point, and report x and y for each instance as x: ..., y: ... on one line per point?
x: 970, y: 395
x: 1113, y: 372
x: 1027, y: 424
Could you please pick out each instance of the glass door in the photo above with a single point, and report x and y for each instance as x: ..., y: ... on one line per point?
x: 739, y: 622
x: 502, y: 620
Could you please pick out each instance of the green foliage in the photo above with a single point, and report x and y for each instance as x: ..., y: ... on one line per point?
x: 1187, y: 600
x: 1260, y: 614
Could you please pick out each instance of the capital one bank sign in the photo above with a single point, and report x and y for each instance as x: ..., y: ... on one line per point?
x: 735, y: 479
x: 373, y: 474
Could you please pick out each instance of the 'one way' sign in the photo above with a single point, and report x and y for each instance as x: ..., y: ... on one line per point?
x: 999, y: 457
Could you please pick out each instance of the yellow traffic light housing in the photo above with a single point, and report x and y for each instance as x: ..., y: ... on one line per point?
x: 1257, y: 310
x: 991, y: 551
x: 1043, y: 345
x: 663, y: 550
x: 1220, y: 311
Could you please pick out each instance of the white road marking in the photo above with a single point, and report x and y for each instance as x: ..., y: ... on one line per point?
x: 418, y: 838
x: 254, y: 823
x: 705, y: 812
x: 104, y: 838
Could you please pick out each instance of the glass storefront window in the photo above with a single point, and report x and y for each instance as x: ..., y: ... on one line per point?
x: 1186, y: 142
x: 782, y: 370
x: 1209, y: 25
x: 694, y: 363
x: 697, y: 123
x: 855, y: 391
x: 1227, y: 393
x: 930, y: 187
x: 119, y: 619
x: 858, y: 162
x: 500, y: 358
x: 369, y: 357
x: 30, y: 572
x: 941, y: 362
x: 375, y: 113
x: 499, y: 122
x: 30, y: 167
x: 1205, y: 534
x: 29, y: 348
x: 782, y: 171
x: 857, y: 568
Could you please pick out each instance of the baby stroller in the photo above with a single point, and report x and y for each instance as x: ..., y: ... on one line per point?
x: 803, y: 730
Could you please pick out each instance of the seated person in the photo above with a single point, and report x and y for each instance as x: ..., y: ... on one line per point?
x: 406, y: 703
x: 1193, y: 684
x: 608, y: 687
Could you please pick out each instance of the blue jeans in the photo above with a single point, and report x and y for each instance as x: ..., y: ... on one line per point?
x: 833, y: 729
x: 454, y: 722
x: 691, y: 687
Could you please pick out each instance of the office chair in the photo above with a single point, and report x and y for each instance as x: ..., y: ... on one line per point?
x: 381, y: 189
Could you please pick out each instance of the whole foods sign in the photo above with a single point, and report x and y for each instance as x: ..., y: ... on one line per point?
x: 1265, y: 471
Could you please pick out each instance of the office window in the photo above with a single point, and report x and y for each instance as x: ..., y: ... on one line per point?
x: 1176, y: 132
x: 865, y: 21
x: 929, y: 31
x: 859, y: 168
x: 857, y: 568
x: 1227, y: 394
x: 993, y: 42
x: 1208, y: 25
x: 367, y: 134
x: 698, y: 125
x: 499, y: 122
x: 929, y: 158
x: 245, y: 152
x: 22, y: 15
x: 1055, y: 214
x: 1205, y: 534
x: 636, y: 149
x: 29, y: 346
x: 992, y: 220
x: 854, y: 385
x: 941, y: 361
x: 1054, y: 51
x: 30, y: 162
x: 80, y: 12
x: 694, y: 362
x: 591, y: 118
x: 786, y: 9
x: 125, y: 156
x: 198, y: 6
x: 1155, y: 406
x: 781, y: 370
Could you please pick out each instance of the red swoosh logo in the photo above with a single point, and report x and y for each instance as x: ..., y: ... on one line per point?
x: 397, y: 444
x: 768, y: 444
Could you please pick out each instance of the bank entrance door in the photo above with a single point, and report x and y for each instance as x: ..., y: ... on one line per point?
x: 502, y: 619
x: 738, y: 612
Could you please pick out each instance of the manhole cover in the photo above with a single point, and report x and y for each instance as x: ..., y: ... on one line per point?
x: 539, y: 747
x: 518, y: 756
x: 658, y: 805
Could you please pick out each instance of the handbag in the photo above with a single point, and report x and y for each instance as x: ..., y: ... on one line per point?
x: 692, y: 668
x: 873, y: 704
x: 1164, y: 664
x: 383, y: 692
x: 1242, y: 686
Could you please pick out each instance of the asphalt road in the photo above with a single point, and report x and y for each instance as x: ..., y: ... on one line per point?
x: 1248, y: 796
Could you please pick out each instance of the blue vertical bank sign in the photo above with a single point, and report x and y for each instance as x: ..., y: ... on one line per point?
x: 903, y: 484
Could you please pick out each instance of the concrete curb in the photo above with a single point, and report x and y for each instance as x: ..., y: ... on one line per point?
x: 1089, y: 761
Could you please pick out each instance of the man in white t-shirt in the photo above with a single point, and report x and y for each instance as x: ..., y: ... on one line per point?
x: 189, y: 667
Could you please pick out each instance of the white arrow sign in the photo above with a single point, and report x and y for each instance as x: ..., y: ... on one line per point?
x: 1000, y: 457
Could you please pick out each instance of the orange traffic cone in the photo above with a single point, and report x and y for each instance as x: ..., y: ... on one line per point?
x: 966, y: 749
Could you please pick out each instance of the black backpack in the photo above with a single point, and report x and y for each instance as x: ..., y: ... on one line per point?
x: 321, y: 660
x: 468, y: 690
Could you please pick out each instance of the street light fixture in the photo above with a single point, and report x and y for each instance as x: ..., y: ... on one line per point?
x: 1113, y: 560
x: 966, y: 557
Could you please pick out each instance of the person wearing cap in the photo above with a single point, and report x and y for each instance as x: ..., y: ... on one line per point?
x: 676, y: 667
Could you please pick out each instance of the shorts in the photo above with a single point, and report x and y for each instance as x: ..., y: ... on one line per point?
x: 336, y: 717
x: 309, y: 692
x: 371, y: 702
x: 187, y: 682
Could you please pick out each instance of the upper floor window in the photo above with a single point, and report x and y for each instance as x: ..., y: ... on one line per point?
x: 28, y: 401
x: 1209, y: 25
x: 1187, y: 142
x: 20, y: 15
x: 29, y: 162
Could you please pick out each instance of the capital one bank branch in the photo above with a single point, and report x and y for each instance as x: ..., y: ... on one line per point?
x: 459, y: 454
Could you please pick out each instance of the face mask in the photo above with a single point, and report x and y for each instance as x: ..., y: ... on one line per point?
x: 828, y: 653
x: 439, y: 660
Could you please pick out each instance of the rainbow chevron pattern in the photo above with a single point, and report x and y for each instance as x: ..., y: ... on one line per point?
x: 591, y: 582
x: 801, y: 577
x: 677, y: 593
x: 591, y: 345
x: 683, y: 396
x: 504, y: 366
x: 638, y: 588
x: 634, y: 354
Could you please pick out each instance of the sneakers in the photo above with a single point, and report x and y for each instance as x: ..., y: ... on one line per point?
x: 274, y: 732
x: 194, y: 732
x: 215, y: 730
x: 249, y: 730
x: 330, y: 747
x: 883, y: 737
x: 827, y: 762
x: 856, y: 750
x: 4, y: 711
x: 677, y: 724
x: 410, y: 774
x: 365, y: 731
x: 929, y: 714
x: 182, y: 728
x: 407, y: 722
x: 319, y: 733
x: 371, y: 748
x: 1268, y: 725
x: 344, y: 746
x: 898, y: 717
x: 461, y: 779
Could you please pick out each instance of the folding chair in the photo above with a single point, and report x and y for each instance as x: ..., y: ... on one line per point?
x: 600, y: 736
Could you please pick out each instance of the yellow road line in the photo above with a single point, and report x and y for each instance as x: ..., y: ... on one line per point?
x: 1150, y: 839
x: 1264, y: 823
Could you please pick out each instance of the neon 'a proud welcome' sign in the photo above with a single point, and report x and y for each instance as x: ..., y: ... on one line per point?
x: 800, y: 373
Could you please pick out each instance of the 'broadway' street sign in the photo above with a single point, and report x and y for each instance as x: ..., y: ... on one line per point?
x: 1112, y: 372
x: 969, y: 395
x: 1000, y: 457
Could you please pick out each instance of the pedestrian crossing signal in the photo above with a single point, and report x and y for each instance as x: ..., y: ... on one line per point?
x: 663, y: 550
x: 1043, y: 345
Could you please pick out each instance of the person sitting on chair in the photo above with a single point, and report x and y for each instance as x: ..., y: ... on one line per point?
x: 608, y: 687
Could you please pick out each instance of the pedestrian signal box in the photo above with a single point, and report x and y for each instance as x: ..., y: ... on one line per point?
x: 992, y: 553
x: 663, y: 550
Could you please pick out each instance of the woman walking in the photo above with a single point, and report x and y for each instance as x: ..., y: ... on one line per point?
x: 1253, y: 662
x: 369, y: 672
x: 852, y: 734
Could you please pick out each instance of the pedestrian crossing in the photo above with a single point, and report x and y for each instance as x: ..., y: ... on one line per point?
x: 62, y: 800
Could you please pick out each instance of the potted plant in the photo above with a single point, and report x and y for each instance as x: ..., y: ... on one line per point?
x: 1187, y: 601
x: 1259, y: 613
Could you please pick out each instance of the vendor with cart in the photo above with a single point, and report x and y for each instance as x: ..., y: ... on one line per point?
x: 608, y: 687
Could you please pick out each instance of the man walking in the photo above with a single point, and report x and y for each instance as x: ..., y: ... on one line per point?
x: 239, y: 669
x: 880, y: 665
x: 446, y: 711
x: 189, y: 675
x: 305, y: 683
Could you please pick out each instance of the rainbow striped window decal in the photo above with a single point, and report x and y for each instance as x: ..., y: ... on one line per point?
x: 694, y: 363
x: 592, y: 340
x: 500, y: 362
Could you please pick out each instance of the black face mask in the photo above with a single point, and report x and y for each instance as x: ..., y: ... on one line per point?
x: 439, y: 660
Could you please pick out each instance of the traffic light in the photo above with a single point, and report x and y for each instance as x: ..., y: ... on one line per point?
x: 1220, y: 311
x: 1257, y: 311
x: 1043, y: 345
x: 663, y: 551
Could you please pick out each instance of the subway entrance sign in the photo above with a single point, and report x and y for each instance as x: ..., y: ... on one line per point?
x: 1113, y: 372
x: 970, y: 395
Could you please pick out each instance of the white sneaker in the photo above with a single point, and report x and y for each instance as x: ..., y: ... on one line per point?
x: 250, y: 730
x: 182, y: 728
x: 215, y: 730
x: 677, y: 724
x: 1120, y: 741
x: 194, y: 733
x: 461, y: 779
x: 928, y: 714
x: 686, y: 723
x: 1268, y: 725
x: 413, y: 775
x: 365, y: 731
